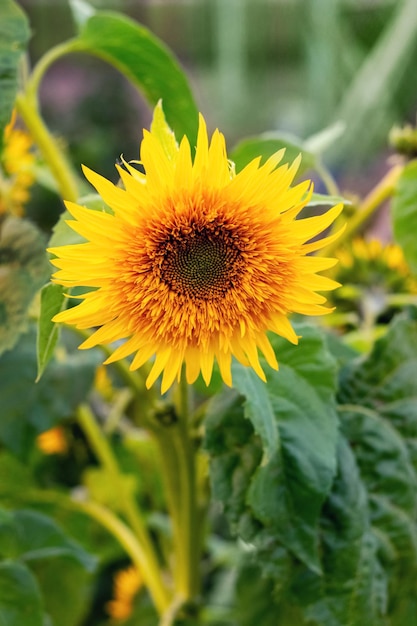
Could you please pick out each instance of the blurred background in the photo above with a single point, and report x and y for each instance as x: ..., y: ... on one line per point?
x: 296, y: 66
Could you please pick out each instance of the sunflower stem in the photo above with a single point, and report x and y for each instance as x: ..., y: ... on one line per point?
x: 189, y: 536
x: 178, y: 463
x: 149, y: 565
x: 381, y: 192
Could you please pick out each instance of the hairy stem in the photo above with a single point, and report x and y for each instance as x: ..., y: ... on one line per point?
x: 178, y: 468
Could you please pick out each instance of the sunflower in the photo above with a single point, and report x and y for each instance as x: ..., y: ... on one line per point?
x: 16, y: 172
x: 195, y: 262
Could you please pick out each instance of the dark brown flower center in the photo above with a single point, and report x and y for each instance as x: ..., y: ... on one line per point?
x: 202, y: 264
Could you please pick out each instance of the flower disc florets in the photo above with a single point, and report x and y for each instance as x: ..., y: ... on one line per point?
x: 196, y: 262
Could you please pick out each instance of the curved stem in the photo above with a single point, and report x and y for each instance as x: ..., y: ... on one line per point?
x: 57, y: 162
x: 112, y: 523
x: 132, y: 546
x: 149, y: 565
x: 383, y: 190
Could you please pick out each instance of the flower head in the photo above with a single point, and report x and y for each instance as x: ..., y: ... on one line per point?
x: 53, y: 441
x: 16, y: 172
x: 195, y: 262
x: 373, y: 273
x: 127, y: 583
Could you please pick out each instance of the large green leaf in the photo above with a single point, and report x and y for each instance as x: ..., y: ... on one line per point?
x: 29, y: 535
x: 278, y: 493
x: 404, y: 213
x: 14, y: 34
x: 20, y: 598
x: 379, y: 416
x: 352, y: 589
x: 24, y: 268
x: 28, y: 408
x: 146, y: 62
x: 67, y: 590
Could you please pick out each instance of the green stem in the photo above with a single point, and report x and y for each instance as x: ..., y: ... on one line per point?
x: 49, y: 148
x: 149, y: 565
x: 187, y: 539
x: 178, y: 469
x: 381, y: 192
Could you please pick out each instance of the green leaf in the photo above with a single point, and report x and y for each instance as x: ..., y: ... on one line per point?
x: 67, y: 590
x: 378, y: 410
x: 404, y: 213
x: 20, y: 599
x: 29, y: 408
x: 15, y: 477
x: 352, y: 589
x: 146, y: 62
x: 295, y: 418
x: 30, y: 535
x: 24, y: 268
x: 266, y: 145
x: 52, y: 302
x: 14, y: 34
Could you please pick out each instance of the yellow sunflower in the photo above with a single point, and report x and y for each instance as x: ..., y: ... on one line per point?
x: 195, y: 262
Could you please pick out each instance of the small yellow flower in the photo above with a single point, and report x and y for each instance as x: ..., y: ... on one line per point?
x: 374, y: 265
x: 16, y: 176
x: 195, y: 262
x: 127, y: 583
x: 53, y: 441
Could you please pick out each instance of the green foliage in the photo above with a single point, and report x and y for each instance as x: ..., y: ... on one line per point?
x: 404, y: 213
x: 294, y: 415
x: 359, y: 515
x: 30, y: 535
x: 52, y: 301
x: 24, y: 269
x: 29, y: 408
x: 32, y: 538
x: 20, y: 598
x: 14, y: 34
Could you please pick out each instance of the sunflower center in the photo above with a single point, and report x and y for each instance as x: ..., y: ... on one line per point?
x: 202, y: 265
